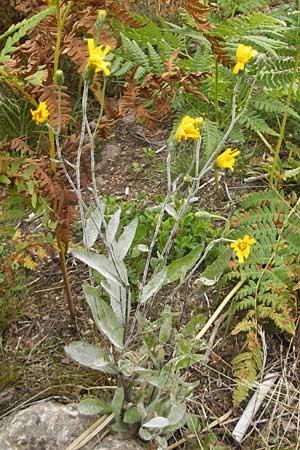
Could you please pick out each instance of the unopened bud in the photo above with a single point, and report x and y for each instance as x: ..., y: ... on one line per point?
x: 100, y: 18
x: 59, y: 77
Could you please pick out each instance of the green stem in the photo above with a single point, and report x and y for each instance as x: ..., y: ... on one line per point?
x: 58, y: 38
x: 217, y: 90
x: 273, y: 181
x: 52, y: 151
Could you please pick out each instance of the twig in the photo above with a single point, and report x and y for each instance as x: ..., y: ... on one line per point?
x: 91, y: 432
x: 220, y: 309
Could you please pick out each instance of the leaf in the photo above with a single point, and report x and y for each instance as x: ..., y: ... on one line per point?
x: 166, y: 326
x: 4, y: 179
x: 104, y: 317
x: 117, y: 401
x: 193, y: 424
x: 90, y: 406
x: 98, y: 262
x: 132, y: 415
x: 125, y: 241
x: 93, y: 225
x: 20, y: 30
x: 120, y: 299
x: 291, y: 173
x: 178, y: 268
x: 89, y: 355
x: 153, y: 285
x: 113, y: 226
x: 157, y: 422
x: 212, y: 273
x: 177, y: 413
x: 171, y: 211
x: 145, y: 434
x: 194, y: 325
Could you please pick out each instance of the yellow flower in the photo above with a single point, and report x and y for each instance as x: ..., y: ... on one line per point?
x: 242, y: 247
x: 96, y: 57
x: 40, y: 114
x: 28, y: 263
x: 101, y: 14
x: 227, y: 159
x: 243, y: 55
x: 189, y: 128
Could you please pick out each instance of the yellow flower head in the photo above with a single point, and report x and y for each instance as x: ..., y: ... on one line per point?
x: 40, y: 114
x: 101, y: 14
x: 96, y: 57
x: 242, y: 247
x: 227, y: 159
x: 189, y: 128
x: 243, y: 55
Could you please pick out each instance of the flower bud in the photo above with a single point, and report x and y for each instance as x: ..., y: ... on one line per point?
x: 59, y: 77
x: 100, y: 18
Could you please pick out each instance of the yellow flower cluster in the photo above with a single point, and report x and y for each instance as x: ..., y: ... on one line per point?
x: 227, y: 159
x: 243, y: 55
x: 40, y: 114
x: 189, y: 128
x: 242, y: 247
x: 96, y: 57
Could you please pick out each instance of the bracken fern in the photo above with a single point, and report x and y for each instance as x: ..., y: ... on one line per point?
x: 272, y: 275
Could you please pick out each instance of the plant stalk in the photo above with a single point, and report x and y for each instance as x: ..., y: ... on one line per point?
x: 63, y: 265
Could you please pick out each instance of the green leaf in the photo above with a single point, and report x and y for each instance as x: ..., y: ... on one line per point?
x: 157, y: 422
x: 93, y: 225
x: 193, y: 424
x: 113, y: 226
x: 212, y: 273
x: 120, y: 299
x: 125, y: 241
x: 117, y: 401
x: 178, y: 268
x: 145, y: 434
x: 166, y: 326
x: 4, y: 179
x: 98, y: 262
x: 132, y: 415
x: 90, y: 406
x: 104, y: 317
x: 153, y: 286
x: 90, y: 355
x: 177, y: 413
x: 194, y: 325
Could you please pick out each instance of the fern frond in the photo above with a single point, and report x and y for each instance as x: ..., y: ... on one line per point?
x: 155, y: 59
x: 256, y: 123
x: 25, y: 26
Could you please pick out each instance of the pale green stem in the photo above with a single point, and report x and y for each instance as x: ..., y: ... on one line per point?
x: 217, y: 90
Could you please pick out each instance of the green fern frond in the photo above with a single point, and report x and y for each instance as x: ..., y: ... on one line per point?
x: 271, y: 105
x: 155, y: 59
x: 135, y: 52
x: 256, y: 123
x: 244, y: 25
x: 20, y: 30
x: 211, y: 137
